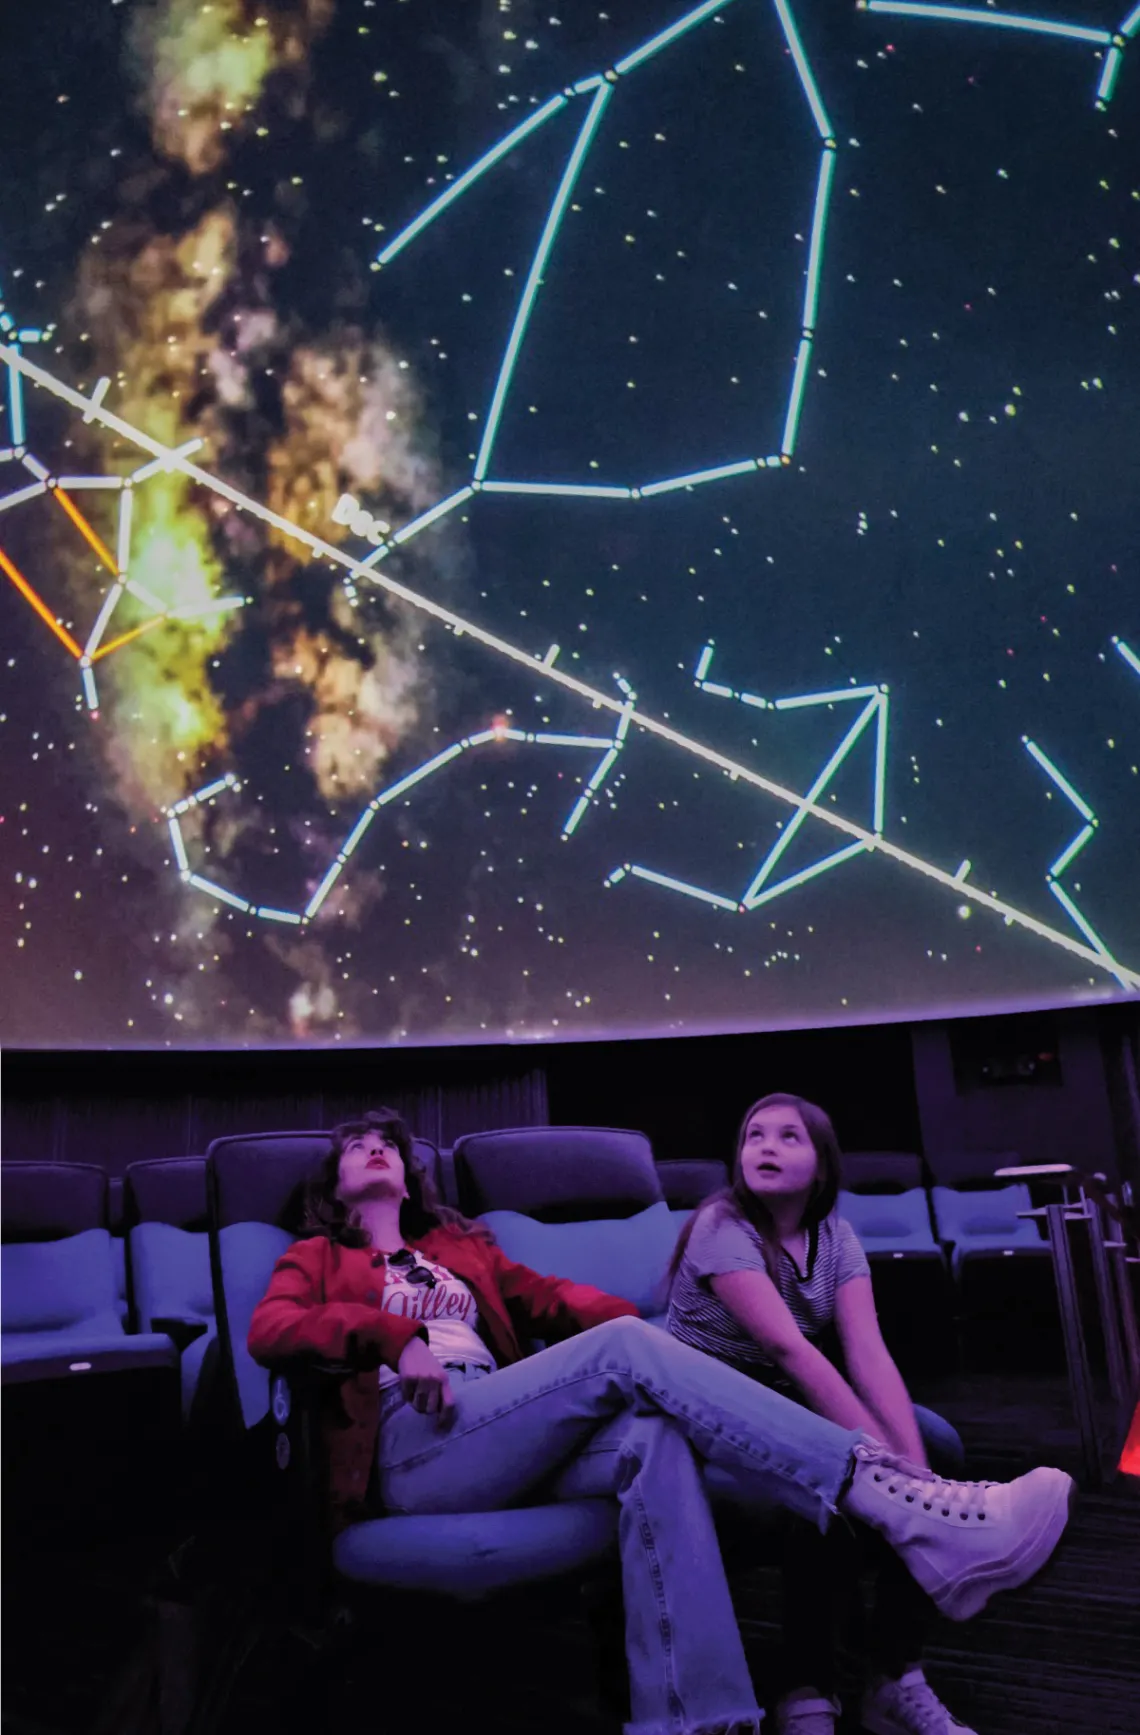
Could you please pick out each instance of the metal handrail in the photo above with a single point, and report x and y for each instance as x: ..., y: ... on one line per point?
x: 1109, y: 1250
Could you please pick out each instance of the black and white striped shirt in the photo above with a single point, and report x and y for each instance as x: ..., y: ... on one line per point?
x: 722, y: 1241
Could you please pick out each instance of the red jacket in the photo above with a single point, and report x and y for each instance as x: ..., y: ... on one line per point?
x: 323, y: 1301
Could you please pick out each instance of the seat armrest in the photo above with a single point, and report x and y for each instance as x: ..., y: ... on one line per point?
x: 181, y: 1331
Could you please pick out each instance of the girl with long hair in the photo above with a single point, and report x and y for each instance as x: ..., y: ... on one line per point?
x: 769, y: 1278
x: 443, y: 1411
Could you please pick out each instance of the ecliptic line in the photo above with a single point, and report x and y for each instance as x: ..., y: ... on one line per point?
x: 530, y: 660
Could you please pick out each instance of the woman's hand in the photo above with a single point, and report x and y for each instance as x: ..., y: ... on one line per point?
x: 424, y: 1382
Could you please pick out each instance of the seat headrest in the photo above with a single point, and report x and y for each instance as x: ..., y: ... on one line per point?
x: 261, y: 1177
x: 881, y: 1171
x: 557, y: 1174
x: 685, y: 1182
x: 171, y: 1190
x: 971, y: 1168
x: 44, y: 1201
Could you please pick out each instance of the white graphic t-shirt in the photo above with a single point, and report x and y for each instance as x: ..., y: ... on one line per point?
x: 447, y: 1308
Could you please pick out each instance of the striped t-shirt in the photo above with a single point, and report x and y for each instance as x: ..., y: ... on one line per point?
x: 720, y: 1242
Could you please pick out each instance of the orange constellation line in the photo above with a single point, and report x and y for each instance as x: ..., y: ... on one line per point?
x: 92, y: 537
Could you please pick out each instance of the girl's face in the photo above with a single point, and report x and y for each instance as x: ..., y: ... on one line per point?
x: 371, y: 1167
x: 777, y: 1156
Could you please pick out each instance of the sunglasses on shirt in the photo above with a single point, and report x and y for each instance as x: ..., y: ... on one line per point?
x: 405, y: 1263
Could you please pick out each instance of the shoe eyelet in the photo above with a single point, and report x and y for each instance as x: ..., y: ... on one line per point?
x: 910, y: 1498
x: 926, y: 1506
x: 963, y: 1515
x: 946, y: 1512
x: 981, y: 1515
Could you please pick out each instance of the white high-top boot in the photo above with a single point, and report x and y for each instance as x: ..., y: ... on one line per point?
x: 961, y: 1541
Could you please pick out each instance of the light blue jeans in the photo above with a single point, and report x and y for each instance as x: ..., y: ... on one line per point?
x: 626, y: 1410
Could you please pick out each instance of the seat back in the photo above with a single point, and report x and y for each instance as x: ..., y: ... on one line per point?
x: 881, y: 1171
x: 556, y: 1174
x: 44, y: 1201
x: 685, y: 1182
x: 971, y: 1168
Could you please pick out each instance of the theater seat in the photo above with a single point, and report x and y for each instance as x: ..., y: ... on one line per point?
x: 886, y: 1204
x: 584, y: 1203
x: 1003, y: 1272
x: 985, y: 1220
x: 89, y: 1409
x: 60, y: 1288
x: 168, y: 1231
x: 894, y: 1224
x: 255, y: 1184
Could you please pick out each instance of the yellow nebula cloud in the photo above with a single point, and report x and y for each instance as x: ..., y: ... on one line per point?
x: 203, y: 66
x: 144, y: 306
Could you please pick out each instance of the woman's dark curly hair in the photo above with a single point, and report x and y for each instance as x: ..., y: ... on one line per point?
x: 326, y: 1214
x: 739, y: 1201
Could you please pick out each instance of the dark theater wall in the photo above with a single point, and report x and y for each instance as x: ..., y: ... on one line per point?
x: 1038, y: 1086
x: 887, y: 1087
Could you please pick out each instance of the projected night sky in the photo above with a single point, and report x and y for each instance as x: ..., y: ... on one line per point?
x: 540, y: 521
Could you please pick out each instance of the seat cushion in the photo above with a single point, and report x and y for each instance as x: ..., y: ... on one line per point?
x: 247, y: 1253
x: 469, y: 1555
x: 172, y: 1273
x: 53, y: 1285
x: 986, y: 1219
x: 625, y: 1256
x: 889, y: 1222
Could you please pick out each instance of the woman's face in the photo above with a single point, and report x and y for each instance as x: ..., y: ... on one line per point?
x: 777, y: 1155
x: 371, y: 1167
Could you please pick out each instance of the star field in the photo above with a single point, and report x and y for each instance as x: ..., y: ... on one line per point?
x: 946, y: 519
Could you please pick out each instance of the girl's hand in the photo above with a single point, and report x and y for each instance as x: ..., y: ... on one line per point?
x: 424, y: 1382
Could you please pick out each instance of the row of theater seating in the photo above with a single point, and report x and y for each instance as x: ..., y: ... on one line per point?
x: 112, y: 1374
x: 588, y: 1203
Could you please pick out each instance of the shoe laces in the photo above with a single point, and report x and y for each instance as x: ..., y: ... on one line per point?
x: 921, y: 1486
x: 923, y: 1710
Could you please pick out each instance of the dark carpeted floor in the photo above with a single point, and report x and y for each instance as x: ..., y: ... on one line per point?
x: 83, y: 1630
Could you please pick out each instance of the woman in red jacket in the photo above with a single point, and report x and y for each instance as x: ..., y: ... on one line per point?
x: 446, y: 1414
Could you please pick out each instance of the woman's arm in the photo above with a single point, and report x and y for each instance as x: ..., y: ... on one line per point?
x: 872, y: 1371
x: 291, y: 1319
x: 555, y: 1307
x: 756, y: 1304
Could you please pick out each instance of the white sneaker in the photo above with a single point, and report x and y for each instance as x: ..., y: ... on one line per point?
x: 908, y: 1706
x: 961, y: 1541
x: 796, y: 1716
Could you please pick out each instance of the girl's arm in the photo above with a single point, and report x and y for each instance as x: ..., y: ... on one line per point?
x: 755, y: 1302
x: 872, y: 1371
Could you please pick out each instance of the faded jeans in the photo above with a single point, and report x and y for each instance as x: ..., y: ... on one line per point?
x: 625, y: 1410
